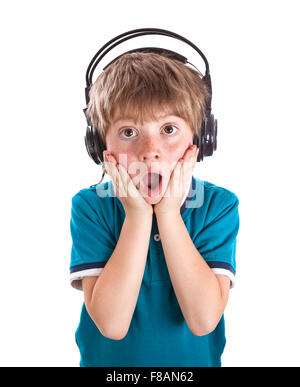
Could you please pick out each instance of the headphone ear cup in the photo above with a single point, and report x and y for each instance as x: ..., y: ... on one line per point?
x: 94, y: 144
x: 207, y: 141
x: 199, y: 140
x: 210, y: 136
x: 89, y: 142
x: 215, y: 134
x: 100, y: 146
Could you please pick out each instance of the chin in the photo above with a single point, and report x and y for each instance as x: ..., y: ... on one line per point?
x: 152, y: 200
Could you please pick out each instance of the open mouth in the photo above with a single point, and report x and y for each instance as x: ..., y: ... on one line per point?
x: 153, y: 182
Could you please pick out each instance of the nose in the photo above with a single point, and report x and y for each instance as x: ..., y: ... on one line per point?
x: 150, y: 151
x: 149, y: 156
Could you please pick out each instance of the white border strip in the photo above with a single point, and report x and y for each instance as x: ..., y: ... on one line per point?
x: 226, y: 272
x: 76, y: 277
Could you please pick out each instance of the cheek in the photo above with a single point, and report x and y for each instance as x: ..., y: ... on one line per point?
x: 113, y: 145
x: 109, y: 142
x: 119, y: 153
x: 177, y: 150
x: 172, y: 156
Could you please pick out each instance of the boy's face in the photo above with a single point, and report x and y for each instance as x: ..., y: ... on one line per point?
x: 155, y: 146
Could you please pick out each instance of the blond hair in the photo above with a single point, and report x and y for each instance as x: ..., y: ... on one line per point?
x: 138, y: 83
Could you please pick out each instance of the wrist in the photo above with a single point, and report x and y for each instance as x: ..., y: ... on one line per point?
x: 167, y: 214
x: 141, y: 216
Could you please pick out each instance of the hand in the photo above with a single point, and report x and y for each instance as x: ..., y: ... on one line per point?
x: 131, y: 199
x: 178, y: 183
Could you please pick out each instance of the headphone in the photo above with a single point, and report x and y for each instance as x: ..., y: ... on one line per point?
x: 205, y: 139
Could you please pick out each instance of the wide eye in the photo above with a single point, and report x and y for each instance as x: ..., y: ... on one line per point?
x: 128, y: 132
x: 170, y: 129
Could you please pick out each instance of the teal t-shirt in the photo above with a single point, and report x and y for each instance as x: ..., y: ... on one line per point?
x: 158, y: 335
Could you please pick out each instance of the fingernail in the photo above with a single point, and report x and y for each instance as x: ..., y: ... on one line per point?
x: 193, y: 148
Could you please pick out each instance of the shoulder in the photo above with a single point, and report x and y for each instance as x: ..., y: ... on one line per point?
x: 217, y: 193
x: 215, y: 199
x: 94, y: 199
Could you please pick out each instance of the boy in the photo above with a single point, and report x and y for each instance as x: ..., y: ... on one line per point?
x: 155, y: 268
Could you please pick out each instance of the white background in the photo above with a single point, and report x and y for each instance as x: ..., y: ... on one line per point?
x: 253, y: 51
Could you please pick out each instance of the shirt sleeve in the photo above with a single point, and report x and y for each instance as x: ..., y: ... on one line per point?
x: 92, y: 242
x: 217, y: 240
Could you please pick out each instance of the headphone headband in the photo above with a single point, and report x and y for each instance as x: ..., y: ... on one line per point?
x: 136, y: 33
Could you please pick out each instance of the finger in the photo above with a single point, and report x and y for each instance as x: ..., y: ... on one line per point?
x: 175, y: 180
x: 192, y: 152
x: 128, y: 185
x: 114, y: 178
x: 183, y: 172
x: 186, y: 173
x: 191, y: 156
x: 111, y: 167
x: 125, y: 184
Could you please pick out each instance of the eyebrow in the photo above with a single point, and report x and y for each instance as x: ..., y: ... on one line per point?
x: 160, y: 118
